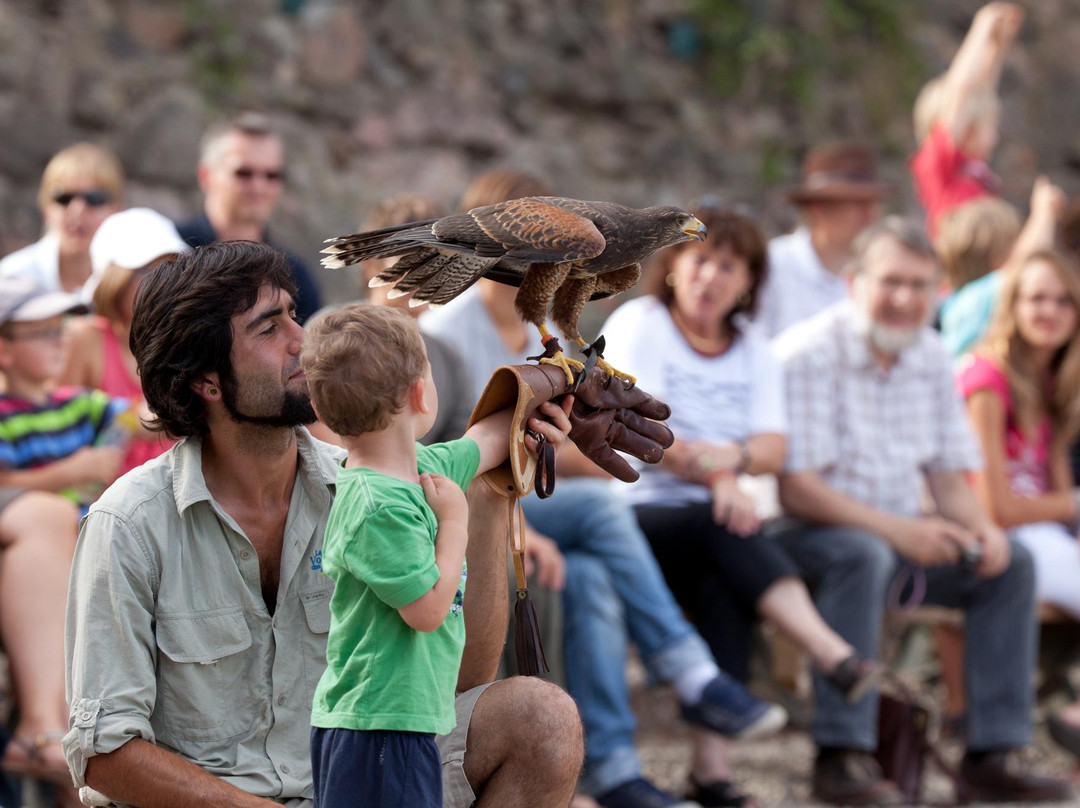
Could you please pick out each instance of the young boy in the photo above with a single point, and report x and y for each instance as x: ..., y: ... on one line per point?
x: 957, y: 117
x: 395, y: 548
x: 49, y: 437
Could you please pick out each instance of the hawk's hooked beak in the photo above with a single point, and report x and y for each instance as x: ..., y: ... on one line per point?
x: 695, y: 229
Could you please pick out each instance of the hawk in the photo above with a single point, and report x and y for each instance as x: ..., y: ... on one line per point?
x: 560, y: 252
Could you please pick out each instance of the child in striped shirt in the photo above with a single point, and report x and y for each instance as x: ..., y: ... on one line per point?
x: 63, y: 440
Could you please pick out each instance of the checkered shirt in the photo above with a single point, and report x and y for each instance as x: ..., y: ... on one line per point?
x: 869, y: 433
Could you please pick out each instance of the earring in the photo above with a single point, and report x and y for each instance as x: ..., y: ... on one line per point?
x: 211, y: 391
x: 672, y: 280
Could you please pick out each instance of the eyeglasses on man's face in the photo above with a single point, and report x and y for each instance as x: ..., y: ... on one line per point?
x: 245, y: 174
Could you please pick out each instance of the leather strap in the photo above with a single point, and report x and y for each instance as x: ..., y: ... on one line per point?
x: 517, y: 540
x: 544, y: 481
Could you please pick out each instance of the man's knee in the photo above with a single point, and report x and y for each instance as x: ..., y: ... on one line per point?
x: 1019, y: 576
x: 863, y: 554
x: 536, y: 722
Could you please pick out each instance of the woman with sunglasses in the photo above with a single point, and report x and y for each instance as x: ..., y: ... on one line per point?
x: 81, y: 186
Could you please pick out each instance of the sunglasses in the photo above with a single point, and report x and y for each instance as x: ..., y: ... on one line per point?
x: 247, y: 174
x: 93, y: 199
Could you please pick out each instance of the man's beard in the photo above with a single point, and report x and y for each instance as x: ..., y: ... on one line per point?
x: 294, y: 409
x: 890, y: 341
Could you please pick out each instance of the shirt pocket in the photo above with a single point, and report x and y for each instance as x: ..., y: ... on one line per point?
x: 316, y: 626
x: 204, y: 676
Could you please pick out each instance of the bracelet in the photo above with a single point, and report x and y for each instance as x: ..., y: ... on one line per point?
x: 744, y: 457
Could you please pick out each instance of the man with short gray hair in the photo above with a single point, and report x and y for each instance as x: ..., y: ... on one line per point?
x: 241, y: 173
x: 874, y: 417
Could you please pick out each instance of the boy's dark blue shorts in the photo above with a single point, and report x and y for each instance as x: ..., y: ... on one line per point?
x: 375, y: 769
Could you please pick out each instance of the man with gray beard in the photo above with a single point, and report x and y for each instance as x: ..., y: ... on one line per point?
x: 874, y: 417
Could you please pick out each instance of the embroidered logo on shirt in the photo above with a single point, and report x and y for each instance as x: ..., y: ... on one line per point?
x: 459, y: 596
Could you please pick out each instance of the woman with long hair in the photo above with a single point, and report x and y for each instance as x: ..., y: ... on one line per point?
x: 1022, y: 386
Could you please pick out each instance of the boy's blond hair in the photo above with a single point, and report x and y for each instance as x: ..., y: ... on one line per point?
x: 359, y: 361
x: 79, y: 160
x: 975, y: 238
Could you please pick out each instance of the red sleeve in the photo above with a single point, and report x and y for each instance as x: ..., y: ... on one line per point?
x: 979, y: 373
x: 940, y: 181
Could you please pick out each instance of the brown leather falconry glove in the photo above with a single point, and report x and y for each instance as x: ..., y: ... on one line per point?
x: 610, y: 415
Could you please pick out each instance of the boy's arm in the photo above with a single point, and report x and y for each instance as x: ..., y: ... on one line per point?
x: 447, y: 500
x: 977, y: 65
x: 492, y: 434
x: 1040, y: 230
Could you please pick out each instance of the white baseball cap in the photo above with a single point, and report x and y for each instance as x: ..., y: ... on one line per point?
x: 133, y: 238
x: 25, y: 301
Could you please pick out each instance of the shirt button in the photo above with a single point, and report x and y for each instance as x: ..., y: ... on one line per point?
x: 284, y: 769
x: 280, y: 700
x: 85, y: 716
x: 245, y: 555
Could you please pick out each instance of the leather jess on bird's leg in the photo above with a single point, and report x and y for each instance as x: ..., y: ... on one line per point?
x: 607, y: 415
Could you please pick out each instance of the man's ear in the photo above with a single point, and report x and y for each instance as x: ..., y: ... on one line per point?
x: 208, y: 387
x: 418, y: 395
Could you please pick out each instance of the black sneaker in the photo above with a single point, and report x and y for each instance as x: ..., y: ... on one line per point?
x: 640, y: 793
x: 854, y: 677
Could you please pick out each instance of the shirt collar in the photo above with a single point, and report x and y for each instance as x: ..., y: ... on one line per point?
x: 318, y: 465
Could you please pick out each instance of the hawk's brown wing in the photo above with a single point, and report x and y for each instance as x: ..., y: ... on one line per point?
x: 527, y: 230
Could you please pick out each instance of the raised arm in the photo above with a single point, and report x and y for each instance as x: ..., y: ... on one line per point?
x: 977, y: 65
x: 1040, y: 230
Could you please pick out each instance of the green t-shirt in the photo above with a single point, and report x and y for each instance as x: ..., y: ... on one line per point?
x: 380, y: 552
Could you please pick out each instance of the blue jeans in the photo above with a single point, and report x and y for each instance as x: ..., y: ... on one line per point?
x: 615, y: 593
x: 849, y: 572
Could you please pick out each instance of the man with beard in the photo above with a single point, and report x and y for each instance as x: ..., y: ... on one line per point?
x: 198, y: 610
x: 874, y: 416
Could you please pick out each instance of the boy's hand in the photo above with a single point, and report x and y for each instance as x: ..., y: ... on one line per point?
x: 1047, y: 199
x: 446, y: 499
x: 554, y: 428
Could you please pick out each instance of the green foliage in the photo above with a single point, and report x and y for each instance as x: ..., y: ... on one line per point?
x: 790, y: 53
x: 219, y: 62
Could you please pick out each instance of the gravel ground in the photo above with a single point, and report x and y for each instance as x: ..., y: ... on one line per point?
x: 777, y: 770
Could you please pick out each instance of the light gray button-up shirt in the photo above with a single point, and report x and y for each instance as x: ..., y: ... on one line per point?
x: 168, y: 637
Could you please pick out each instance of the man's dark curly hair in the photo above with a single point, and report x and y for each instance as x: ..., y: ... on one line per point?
x: 181, y: 329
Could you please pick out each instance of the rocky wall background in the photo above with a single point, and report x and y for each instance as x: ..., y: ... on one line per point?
x: 637, y: 101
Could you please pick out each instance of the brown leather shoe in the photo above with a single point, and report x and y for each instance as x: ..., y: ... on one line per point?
x: 993, y: 778
x: 852, y: 777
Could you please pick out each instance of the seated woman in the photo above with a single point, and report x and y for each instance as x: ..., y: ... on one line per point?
x: 1021, y: 388
x: 81, y: 186
x: 125, y: 248
x: 687, y: 344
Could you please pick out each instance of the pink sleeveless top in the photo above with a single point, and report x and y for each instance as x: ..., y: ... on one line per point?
x: 1026, y: 459
x: 117, y: 381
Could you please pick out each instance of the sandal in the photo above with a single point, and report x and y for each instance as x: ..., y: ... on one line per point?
x: 718, y: 794
x: 31, y: 764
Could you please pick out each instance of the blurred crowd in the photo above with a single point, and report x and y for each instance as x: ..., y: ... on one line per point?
x: 868, y: 410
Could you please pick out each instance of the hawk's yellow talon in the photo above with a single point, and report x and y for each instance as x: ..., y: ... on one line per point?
x: 564, y: 362
x: 610, y: 371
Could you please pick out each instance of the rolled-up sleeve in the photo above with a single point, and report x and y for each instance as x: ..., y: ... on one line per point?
x: 111, y: 652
